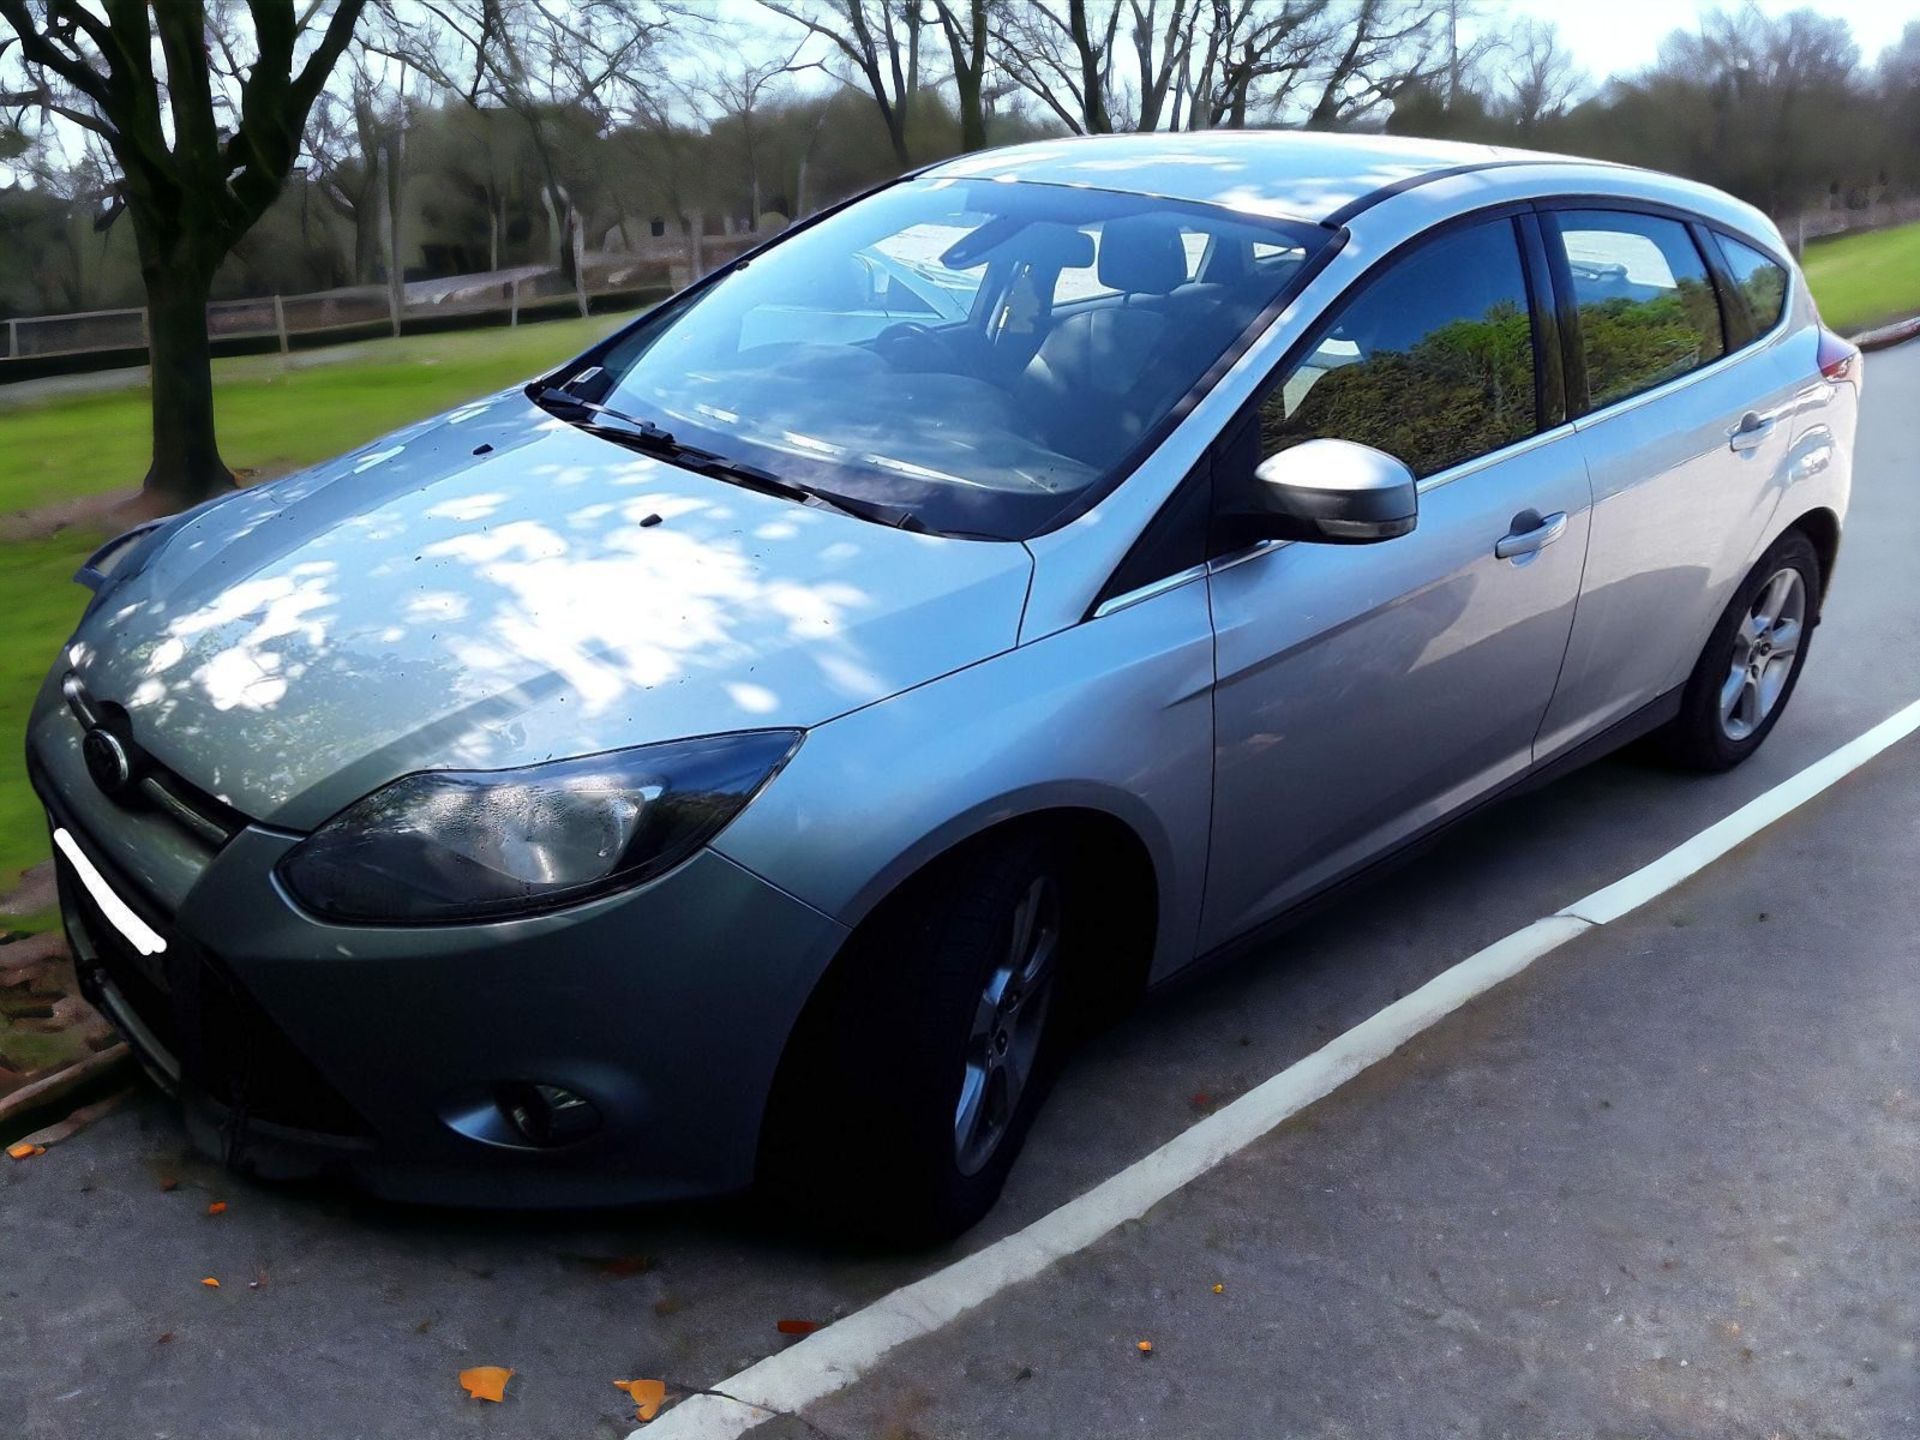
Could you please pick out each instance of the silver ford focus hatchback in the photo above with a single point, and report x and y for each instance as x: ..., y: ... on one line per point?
x: 753, y: 750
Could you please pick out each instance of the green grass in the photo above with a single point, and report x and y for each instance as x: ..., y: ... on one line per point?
x: 1863, y: 280
x: 273, y: 417
x: 31, y: 922
x: 40, y: 605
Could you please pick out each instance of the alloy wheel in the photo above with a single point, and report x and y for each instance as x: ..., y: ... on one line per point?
x: 1009, y: 1022
x: 1764, y: 649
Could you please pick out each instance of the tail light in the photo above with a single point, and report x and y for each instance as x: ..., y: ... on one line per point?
x: 1839, y: 359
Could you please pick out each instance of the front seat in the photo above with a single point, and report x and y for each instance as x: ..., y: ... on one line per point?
x: 1104, y: 351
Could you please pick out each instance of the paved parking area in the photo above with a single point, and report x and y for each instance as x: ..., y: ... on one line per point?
x: 1664, y: 1183
x: 1545, y: 1217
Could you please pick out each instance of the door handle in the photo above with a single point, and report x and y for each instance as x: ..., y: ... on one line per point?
x: 1752, y: 429
x: 1532, y: 532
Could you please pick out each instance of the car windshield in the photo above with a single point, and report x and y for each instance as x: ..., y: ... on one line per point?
x: 985, y: 356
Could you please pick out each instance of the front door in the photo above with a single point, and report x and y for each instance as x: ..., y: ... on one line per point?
x: 1364, y: 692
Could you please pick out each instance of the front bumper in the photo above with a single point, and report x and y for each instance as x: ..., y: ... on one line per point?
x: 378, y: 1053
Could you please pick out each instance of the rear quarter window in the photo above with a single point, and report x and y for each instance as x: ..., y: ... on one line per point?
x: 1761, y: 281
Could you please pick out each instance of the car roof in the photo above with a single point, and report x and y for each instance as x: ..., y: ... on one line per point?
x: 1296, y: 174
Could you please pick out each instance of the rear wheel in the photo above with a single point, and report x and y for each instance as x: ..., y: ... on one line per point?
x: 915, y: 1073
x: 1746, y: 674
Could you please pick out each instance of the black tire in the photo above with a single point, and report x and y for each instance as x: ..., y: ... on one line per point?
x: 1698, y: 737
x: 860, y: 1136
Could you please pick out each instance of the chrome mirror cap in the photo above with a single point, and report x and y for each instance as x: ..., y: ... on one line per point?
x: 1334, y: 492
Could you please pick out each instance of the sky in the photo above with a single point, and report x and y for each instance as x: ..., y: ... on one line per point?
x: 1615, y: 37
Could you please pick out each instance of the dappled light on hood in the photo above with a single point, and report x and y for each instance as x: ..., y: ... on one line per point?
x: 418, y: 605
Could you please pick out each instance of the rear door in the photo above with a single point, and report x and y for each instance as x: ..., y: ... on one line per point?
x: 1364, y: 692
x: 1688, y: 418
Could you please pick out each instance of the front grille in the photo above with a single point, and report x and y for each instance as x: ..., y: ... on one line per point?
x: 154, y: 785
x: 199, y: 1022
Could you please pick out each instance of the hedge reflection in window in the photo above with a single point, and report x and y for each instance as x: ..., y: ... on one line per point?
x: 1648, y: 313
x: 1432, y: 362
x: 1761, y: 281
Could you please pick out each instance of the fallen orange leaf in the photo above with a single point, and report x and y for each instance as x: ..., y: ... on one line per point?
x: 622, y: 1266
x: 797, y: 1327
x: 646, y: 1395
x: 24, y: 1151
x: 211, y: 1283
x: 218, y: 1207
x: 486, y: 1382
x: 1145, y: 1347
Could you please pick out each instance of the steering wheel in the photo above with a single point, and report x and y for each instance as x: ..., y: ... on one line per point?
x: 908, y: 339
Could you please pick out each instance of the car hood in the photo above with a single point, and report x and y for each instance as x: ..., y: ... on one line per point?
x: 495, y: 588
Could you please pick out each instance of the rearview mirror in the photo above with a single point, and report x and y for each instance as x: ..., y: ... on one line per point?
x: 1331, y: 492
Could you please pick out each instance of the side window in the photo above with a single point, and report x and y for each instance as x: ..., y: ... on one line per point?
x: 1760, y: 279
x: 1432, y: 362
x: 1647, y: 308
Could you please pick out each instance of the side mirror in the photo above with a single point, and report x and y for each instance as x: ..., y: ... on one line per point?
x: 1332, y: 492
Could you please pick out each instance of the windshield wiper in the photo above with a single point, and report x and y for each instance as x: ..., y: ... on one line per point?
x: 649, y: 439
x: 555, y: 398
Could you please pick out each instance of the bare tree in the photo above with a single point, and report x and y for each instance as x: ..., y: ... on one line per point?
x: 1769, y: 82
x: 1062, y: 54
x: 1162, y: 40
x: 353, y: 126
x: 1541, y: 78
x: 965, y: 24
x: 1466, y: 62
x: 1257, y: 54
x: 204, y: 123
x: 1898, y: 93
x: 881, y: 40
x: 739, y: 93
x: 1204, y: 63
x: 542, y: 60
x: 1385, y: 47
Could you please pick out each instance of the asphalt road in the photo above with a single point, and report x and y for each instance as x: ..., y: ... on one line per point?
x: 1665, y: 1183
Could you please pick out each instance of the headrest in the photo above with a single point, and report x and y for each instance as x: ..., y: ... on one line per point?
x: 1142, y: 255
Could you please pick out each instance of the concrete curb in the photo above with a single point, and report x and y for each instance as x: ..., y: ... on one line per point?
x: 1887, y: 335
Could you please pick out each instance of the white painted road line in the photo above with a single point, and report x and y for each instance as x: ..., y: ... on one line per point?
x: 834, y: 1358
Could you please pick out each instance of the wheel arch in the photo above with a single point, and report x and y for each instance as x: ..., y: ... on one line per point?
x: 1103, y: 829
x: 1097, y: 836
x: 1821, y: 526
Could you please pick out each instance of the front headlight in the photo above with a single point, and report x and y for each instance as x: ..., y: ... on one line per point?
x: 447, y: 845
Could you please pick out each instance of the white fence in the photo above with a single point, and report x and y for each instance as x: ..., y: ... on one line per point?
x: 337, y: 315
x: 1876, y: 214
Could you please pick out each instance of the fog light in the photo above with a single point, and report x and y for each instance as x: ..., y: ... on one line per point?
x: 547, y: 1114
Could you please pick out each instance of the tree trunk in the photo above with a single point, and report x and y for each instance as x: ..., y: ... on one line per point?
x: 368, y: 242
x: 896, y: 118
x: 1092, y: 80
x: 186, y: 459
x: 973, y: 115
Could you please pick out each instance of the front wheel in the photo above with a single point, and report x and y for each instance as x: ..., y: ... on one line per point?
x: 913, y: 1077
x: 1746, y: 674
